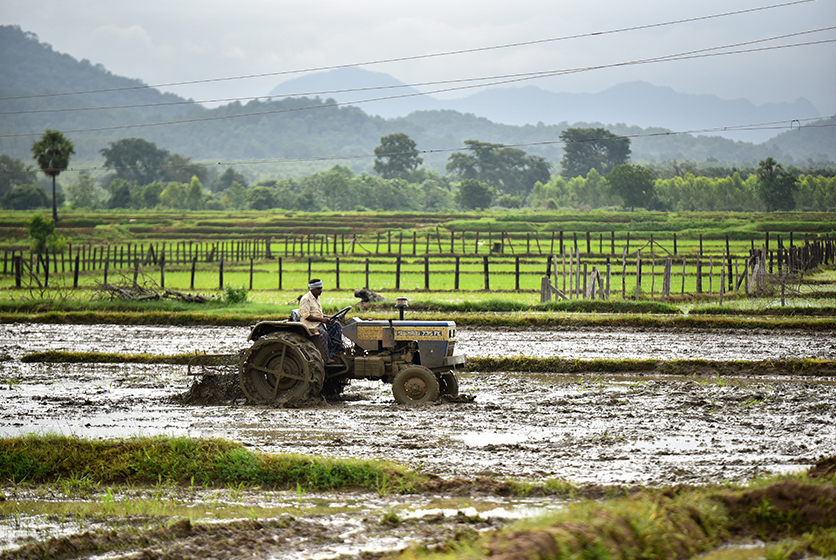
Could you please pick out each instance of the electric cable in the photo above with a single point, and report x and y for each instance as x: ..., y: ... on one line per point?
x: 665, y: 58
x: 399, y: 86
x: 424, y: 56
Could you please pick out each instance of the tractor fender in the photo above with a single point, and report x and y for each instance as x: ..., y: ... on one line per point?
x: 267, y: 327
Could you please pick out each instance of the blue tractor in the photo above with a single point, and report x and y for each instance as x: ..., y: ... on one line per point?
x: 285, y: 363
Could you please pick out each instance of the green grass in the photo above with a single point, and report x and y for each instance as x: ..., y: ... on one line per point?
x: 180, y: 460
x: 793, y: 516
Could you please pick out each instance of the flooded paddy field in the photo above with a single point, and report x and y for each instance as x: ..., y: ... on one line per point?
x: 587, y: 429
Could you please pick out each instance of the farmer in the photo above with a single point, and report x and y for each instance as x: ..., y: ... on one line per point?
x: 310, y: 310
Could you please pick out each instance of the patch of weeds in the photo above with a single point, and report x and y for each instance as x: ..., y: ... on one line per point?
x: 390, y: 519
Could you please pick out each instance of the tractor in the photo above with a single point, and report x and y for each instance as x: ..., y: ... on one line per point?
x: 285, y: 364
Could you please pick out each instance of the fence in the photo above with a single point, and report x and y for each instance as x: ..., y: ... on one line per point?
x: 642, y: 269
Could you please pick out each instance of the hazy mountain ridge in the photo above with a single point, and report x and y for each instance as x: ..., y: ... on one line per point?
x: 635, y: 103
x: 277, y: 129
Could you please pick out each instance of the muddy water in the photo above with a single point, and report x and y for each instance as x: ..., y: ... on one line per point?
x: 588, y: 343
x: 588, y: 429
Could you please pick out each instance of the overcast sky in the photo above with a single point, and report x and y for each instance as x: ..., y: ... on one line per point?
x: 180, y: 40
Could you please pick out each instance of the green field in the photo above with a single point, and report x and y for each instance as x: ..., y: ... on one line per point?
x: 472, y: 256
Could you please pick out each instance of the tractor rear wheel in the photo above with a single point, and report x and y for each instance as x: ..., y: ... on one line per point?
x: 281, y: 368
x: 415, y: 385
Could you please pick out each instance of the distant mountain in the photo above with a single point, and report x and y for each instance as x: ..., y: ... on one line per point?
x: 30, y: 67
x: 31, y: 70
x: 634, y: 103
x: 337, y: 85
x: 279, y: 130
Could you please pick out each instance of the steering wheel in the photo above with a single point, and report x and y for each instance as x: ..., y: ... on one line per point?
x: 340, y: 315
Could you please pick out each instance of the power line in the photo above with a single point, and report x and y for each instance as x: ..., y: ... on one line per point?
x: 425, y: 56
x: 400, y: 86
x: 512, y: 79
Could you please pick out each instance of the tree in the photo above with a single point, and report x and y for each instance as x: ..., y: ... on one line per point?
x: 135, y: 159
x: 43, y: 234
x: 194, y: 195
x: 52, y: 153
x: 25, y: 197
x: 14, y: 172
x: 261, y: 198
x: 775, y: 186
x: 226, y: 179
x: 508, y: 169
x: 147, y: 196
x: 634, y: 184
x: 396, y: 156
x: 120, y: 194
x: 85, y: 193
x: 474, y: 194
x: 173, y: 196
x: 592, y: 148
x: 179, y: 168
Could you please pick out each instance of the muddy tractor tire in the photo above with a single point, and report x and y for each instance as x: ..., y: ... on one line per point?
x: 415, y: 385
x: 449, y: 384
x: 281, y: 368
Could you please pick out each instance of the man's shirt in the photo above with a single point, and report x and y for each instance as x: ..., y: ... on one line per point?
x: 310, y: 305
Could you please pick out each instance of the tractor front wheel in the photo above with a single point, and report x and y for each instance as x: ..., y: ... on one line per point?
x: 415, y: 385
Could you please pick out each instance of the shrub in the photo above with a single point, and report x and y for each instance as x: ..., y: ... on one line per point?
x: 234, y: 295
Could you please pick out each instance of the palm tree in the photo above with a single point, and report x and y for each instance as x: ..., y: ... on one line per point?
x: 53, y: 153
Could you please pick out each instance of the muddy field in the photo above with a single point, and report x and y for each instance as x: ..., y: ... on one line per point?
x: 587, y: 429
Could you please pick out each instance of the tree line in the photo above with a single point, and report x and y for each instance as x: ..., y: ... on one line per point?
x: 594, y: 173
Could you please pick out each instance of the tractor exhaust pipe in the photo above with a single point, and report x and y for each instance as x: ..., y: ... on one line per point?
x: 401, y: 303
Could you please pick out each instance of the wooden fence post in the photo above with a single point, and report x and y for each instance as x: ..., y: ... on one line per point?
x: 624, y: 273
x: 162, y: 270
x: 427, y: 269
x: 456, y: 278
x: 251, y: 273
x: 279, y: 264
x: 367, y: 273
x: 337, y: 271
x: 221, y: 273
x: 17, y: 265
x: 699, y: 275
x: 194, y: 266
x: 398, y: 272
x: 729, y: 260
x: 638, y: 273
x: 609, y: 277
x: 545, y: 290
x: 487, y: 276
x: 517, y: 273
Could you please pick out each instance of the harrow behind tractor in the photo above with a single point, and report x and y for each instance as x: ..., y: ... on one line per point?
x: 285, y: 362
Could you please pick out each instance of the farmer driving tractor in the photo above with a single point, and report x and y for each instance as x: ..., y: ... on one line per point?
x: 310, y: 311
